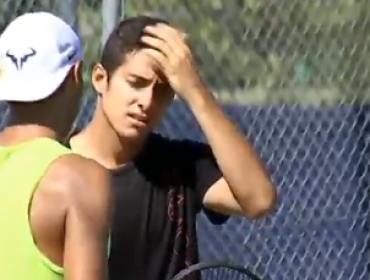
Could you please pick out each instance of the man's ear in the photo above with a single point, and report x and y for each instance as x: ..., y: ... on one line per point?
x: 77, y: 72
x: 99, y: 79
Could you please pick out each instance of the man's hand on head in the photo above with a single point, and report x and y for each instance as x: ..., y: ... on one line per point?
x: 245, y: 186
x: 169, y: 48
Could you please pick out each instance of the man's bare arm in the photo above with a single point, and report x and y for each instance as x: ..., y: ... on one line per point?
x: 246, y: 187
x: 87, y: 222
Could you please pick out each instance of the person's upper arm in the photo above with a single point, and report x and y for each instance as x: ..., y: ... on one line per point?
x: 87, y: 222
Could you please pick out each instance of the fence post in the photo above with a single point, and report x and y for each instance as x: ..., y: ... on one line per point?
x: 68, y: 12
x: 111, y: 13
x: 123, y: 8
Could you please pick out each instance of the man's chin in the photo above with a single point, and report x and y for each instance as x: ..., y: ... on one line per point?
x: 133, y: 133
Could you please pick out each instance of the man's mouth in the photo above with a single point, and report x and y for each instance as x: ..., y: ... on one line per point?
x: 139, y: 120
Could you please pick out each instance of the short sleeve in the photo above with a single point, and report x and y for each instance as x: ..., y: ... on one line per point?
x: 207, y: 173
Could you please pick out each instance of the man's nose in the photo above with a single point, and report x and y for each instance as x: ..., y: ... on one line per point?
x: 146, y: 98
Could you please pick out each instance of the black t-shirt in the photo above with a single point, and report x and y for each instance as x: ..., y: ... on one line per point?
x: 157, y: 197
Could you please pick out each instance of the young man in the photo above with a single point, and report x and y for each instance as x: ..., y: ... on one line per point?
x: 51, y: 227
x: 161, y: 184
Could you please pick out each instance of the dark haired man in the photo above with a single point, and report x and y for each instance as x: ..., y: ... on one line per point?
x: 161, y: 184
x: 51, y: 228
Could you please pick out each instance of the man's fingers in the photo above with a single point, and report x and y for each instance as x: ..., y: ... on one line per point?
x: 159, y: 57
x: 174, y: 37
x: 177, y: 36
x: 158, y: 44
x: 173, y: 32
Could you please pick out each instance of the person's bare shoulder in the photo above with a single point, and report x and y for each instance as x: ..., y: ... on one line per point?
x: 87, y: 195
x: 80, y: 174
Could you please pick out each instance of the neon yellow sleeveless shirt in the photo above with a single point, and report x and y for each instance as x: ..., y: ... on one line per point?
x: 21, y: 168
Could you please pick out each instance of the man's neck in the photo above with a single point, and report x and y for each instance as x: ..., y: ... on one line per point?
x: 20, y: 133
x: 100, y: 142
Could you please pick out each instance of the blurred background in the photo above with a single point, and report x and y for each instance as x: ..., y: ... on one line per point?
x: 294, y: 75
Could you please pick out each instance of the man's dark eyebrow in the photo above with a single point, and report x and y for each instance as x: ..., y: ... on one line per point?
x: 138, y: 76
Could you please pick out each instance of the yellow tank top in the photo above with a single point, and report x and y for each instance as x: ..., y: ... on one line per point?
x: 21, y: 169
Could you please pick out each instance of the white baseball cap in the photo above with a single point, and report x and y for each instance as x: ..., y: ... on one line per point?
x: 37, y: 51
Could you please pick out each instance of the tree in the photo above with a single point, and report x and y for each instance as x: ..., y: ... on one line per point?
x: 274, y: 51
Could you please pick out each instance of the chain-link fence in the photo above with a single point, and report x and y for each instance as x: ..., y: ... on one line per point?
x: 294, y: 75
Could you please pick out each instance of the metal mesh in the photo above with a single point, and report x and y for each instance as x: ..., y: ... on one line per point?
x: 294, y: 75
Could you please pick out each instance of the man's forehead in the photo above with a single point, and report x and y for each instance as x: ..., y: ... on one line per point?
x: 141, y: 64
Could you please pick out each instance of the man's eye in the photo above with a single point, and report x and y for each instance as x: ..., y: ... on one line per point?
x: 138, y: 83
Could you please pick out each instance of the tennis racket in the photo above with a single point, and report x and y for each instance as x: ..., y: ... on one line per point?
x: 216, y: 271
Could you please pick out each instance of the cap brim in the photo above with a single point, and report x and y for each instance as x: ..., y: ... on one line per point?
x: 31, y: 88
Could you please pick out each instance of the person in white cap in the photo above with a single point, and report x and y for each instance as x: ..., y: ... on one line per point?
x: 52, y: 228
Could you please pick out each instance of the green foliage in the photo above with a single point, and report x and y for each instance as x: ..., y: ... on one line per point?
x: 258, y: 51
x: 289, y: 50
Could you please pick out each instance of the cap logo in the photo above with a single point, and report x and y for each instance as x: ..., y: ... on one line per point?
x: 20, y: 58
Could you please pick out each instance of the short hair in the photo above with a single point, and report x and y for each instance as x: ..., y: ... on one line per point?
x: 124, y: 39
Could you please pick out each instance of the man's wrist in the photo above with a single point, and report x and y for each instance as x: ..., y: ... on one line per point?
x: 205, y: 109
x: 199, y: 97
